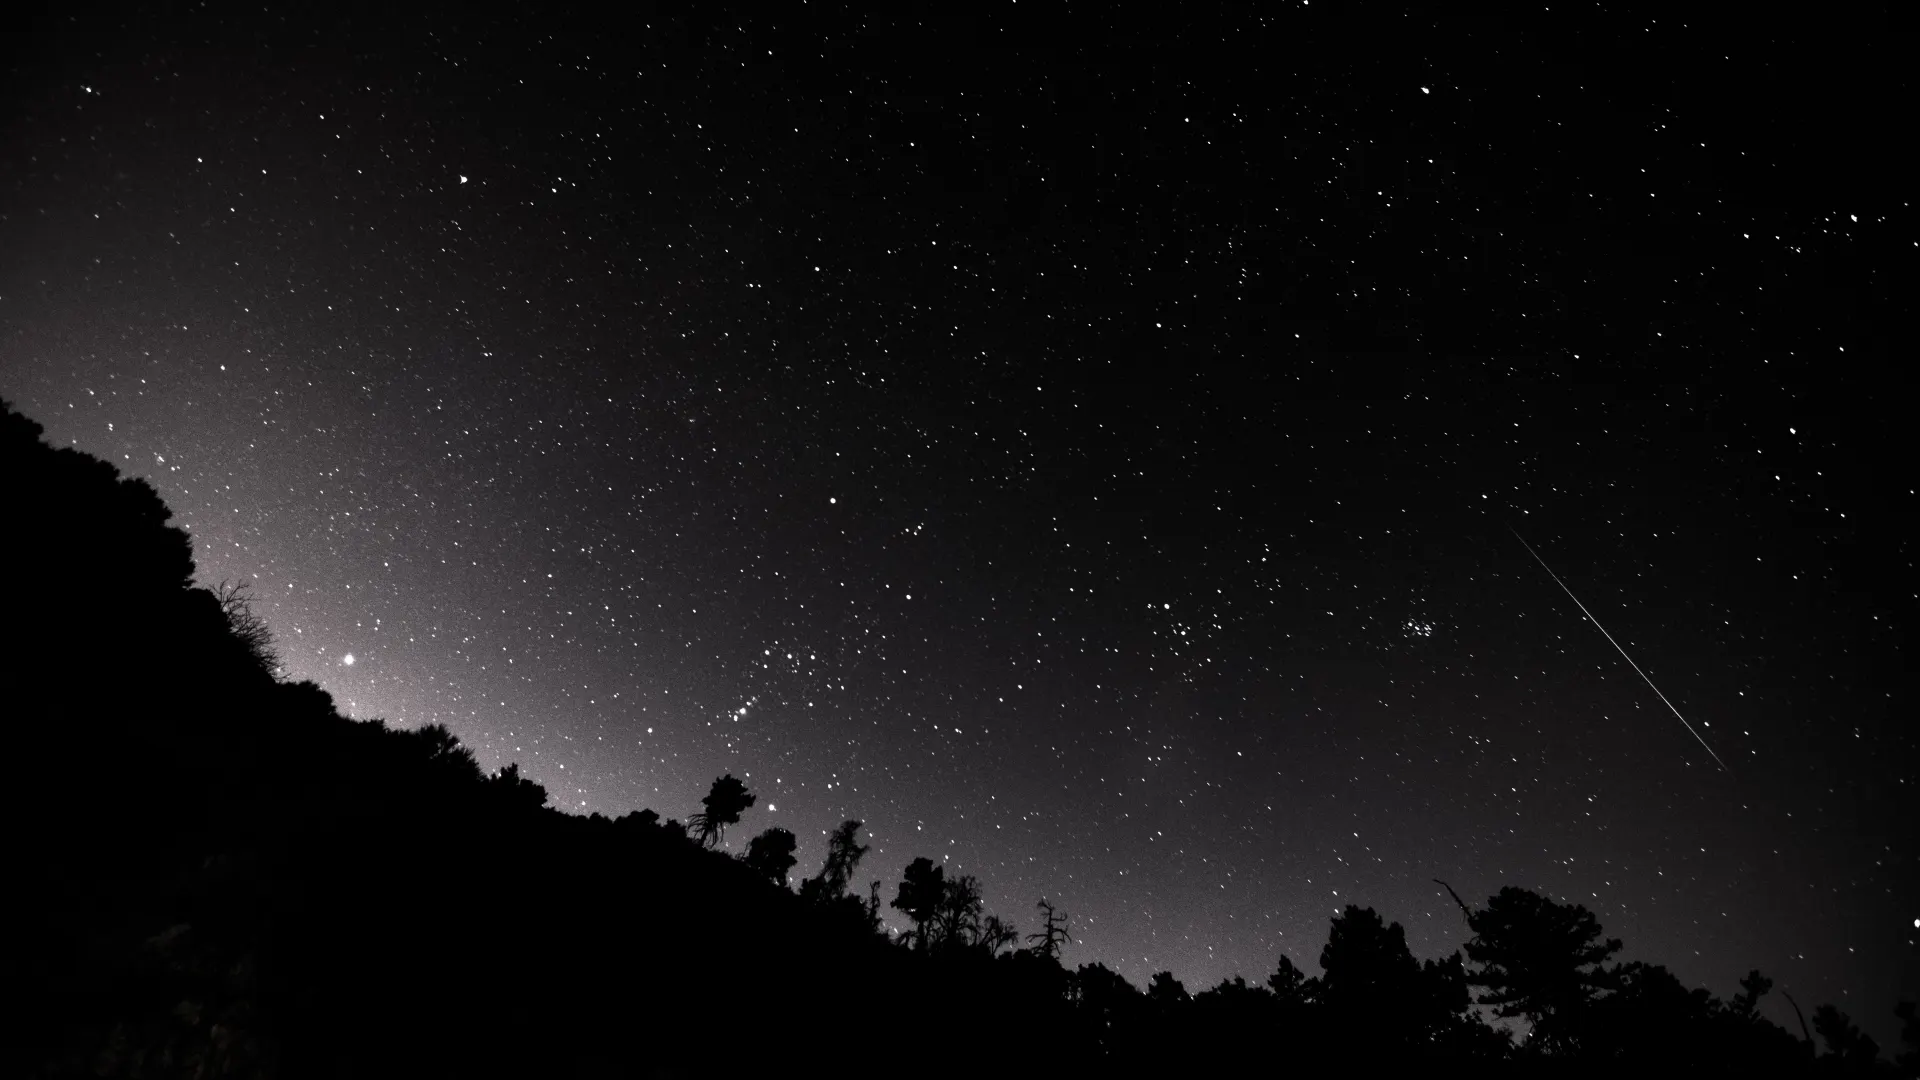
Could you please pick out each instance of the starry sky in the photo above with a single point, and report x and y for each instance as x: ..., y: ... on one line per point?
x: 1093, y: 452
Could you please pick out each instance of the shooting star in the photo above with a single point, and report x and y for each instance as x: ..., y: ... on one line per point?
x: 1616, y: 645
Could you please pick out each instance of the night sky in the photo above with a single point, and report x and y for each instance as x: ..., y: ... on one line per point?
x: 1094, y: 453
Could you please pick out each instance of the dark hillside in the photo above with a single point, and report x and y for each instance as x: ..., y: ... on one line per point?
x: 221, y: 876
x: 225, y: 877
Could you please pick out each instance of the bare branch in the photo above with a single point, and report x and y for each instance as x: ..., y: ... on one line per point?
x: 1464, y: 910
x: 247, y: 627
x: 1804, y: 1033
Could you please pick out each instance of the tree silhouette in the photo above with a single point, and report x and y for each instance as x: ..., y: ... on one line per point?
x: 1236, y: 997
x: 1753, y: 987
x: 844, y: 852
x: 1233, y: 1005
x: 959, y: 914
x: 1106, y: 1001
x: 1374, y: 989
x: 1053, y: 931
x: 1909, y: 1017
x: 997, y: 933
x: 89, y: 521
x: 1846, y: 1043
x: 724, y: 802
x: 443, y: 754
x: 1291, y: 986
x: 517, y: 791
x: 1540, y: 960
x: 1100, y: 985
x: 1367, y: 962
x: 1166, y: 990
x: 1648, y: 1017
x: 771, y: 855
x: 1443, y: 1012
x: 922, y: 888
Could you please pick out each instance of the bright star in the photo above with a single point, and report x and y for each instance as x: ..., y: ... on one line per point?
x: 347, y: 659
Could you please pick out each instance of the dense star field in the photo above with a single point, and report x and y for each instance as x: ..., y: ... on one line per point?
x: 1093, y: 453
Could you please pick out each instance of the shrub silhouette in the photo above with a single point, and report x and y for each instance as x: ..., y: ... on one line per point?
x: 248, y: 630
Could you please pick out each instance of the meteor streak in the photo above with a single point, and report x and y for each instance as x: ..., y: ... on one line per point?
x: 1616, y: 645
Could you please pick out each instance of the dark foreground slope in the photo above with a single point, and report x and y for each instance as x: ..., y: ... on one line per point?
x: 219, y: 876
